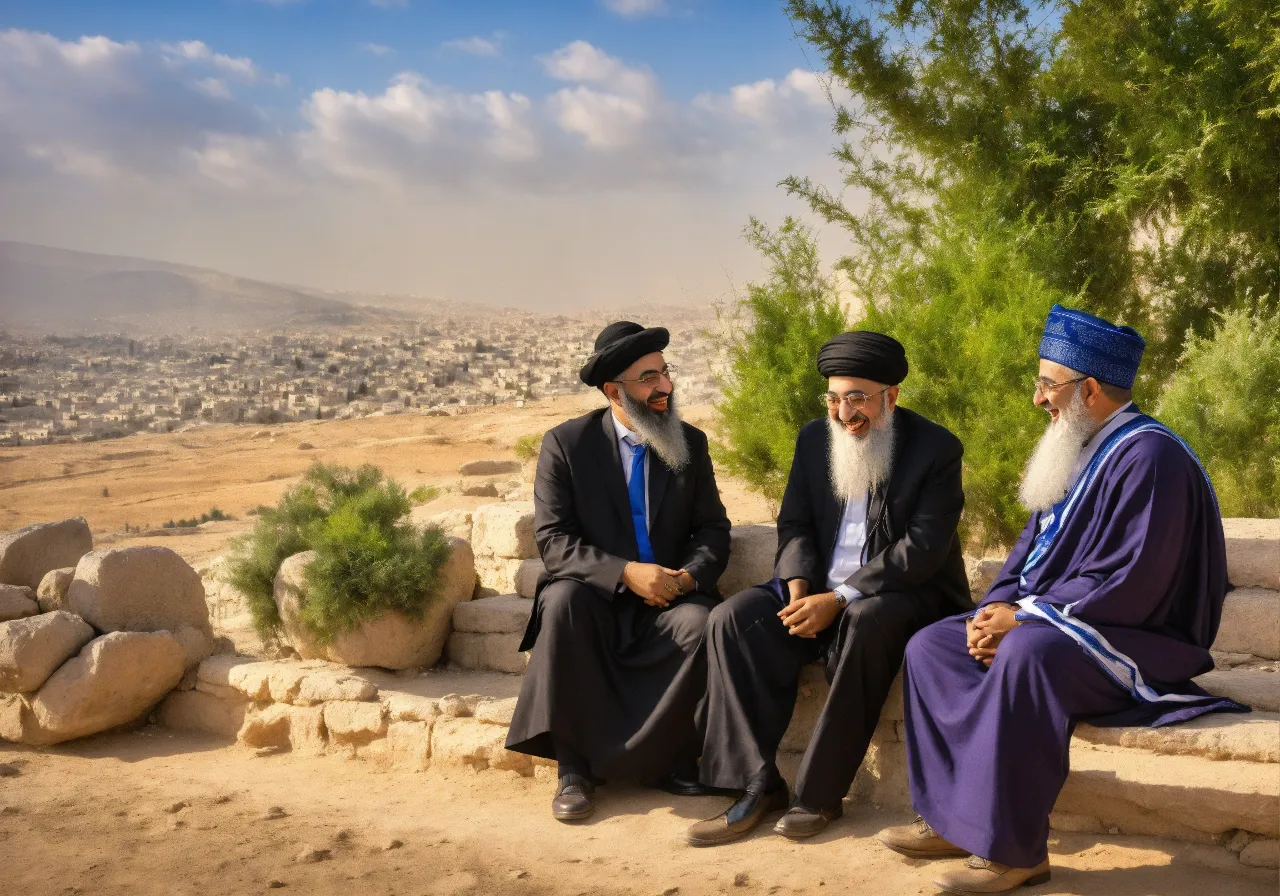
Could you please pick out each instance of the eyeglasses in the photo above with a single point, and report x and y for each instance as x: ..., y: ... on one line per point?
x: 1044, y: 384
x: 855, y: 400
x: 651, y: 377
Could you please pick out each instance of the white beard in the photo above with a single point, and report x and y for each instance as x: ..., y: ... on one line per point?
x: 860, y: 464
x: 1048, y: 474
x: 660, y: 431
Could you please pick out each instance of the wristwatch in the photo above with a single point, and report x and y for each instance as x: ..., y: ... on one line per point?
x: 841, y: 600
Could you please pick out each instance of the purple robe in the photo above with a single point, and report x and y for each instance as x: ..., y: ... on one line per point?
x: 1127, y: 577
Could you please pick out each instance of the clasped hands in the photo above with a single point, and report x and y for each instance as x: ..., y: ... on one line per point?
x: 986, y: 629
x: 656, y: 585
x: 807, y: 614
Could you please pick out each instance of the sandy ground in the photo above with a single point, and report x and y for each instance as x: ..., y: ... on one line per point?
x: 151, y: 478
x: 155, y: 812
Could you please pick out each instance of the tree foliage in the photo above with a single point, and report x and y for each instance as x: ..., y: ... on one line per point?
x: 369, y: 556
x: 774, y: 331
x: 1225, y: 401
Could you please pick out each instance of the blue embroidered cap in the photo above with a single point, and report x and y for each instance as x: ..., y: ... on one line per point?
x: 1092, y: 346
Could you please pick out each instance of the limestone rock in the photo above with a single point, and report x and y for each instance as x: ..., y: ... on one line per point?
x: 1259, y: 690
x: 1252, y: 737
x: 1261, y: 853
x: 197, y: 645
x: 392, y: 640
x: 504, y: 530
x: 27, y: 554
x: 882, y: 778
x: 198, y: 711
x: 496, y: 575
x: 300, y: 728
x: 52, y: 593
x: 473, y: 743
x: 112, y: 681
x: 1253, y: 552
x: 527, y: 577
x: 751, y: 556
x: 811, y: 696
x: 455, y: 523
x: 15, y: 718
x: 354, y: 723
x: 496, y: 712
x: 982, y: 573
x: 1250, y: 623
x: 497, y: 652
x: 409, y: 744
x: 411, y: 708
x: 229, y: 610
x: 490, y: 468
x: 508, y: 613
x: 480, y: 490
x: 325, y: 685
x: 138, y: 589
x: 32, y: 648
x: 17, y: 602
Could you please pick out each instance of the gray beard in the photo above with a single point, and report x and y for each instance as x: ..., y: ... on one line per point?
x: 661, y: 431
x: 860, y: 464
x: 1048, y: 474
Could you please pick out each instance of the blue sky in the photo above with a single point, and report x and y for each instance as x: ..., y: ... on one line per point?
x: 610, y: 149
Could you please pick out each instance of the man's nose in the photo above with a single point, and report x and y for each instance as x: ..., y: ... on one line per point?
x: 847, y: 412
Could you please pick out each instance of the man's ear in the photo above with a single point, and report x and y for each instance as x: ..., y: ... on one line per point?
x: 1092, y: 391
x: 610, y: 391
x: 892, y: 395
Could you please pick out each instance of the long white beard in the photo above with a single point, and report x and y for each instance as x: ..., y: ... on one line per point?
x: 1048, y: 474
x: 660, y: 431
x: 861, y: 464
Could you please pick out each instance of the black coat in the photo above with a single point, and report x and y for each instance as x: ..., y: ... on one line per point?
x: 912, y: 543
x: 582, y: 514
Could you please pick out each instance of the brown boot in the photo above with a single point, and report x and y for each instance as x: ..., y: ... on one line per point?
x: 919, y: 841
x: 739, y: 819
x: 982, y: 877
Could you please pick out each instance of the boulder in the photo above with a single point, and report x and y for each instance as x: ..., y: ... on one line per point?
x: 138, y: 589
x: 527, y: 576
x: 496, y: 575
x: 15, y: 718
x: 114, y: 680
x: 490, y: 468
x: 197, y: 646
x: 27, y: 554
x: 1261, y: 853
x: 751, y: 556
x: 391, y: 640
x: 198, y: 711
x: 32, y: 648
x: 17, y: 602
x: 229, y: 613
x: 504, y: 530
x: 52, y: 593
x: 480, y: 490
x: 455, y: 523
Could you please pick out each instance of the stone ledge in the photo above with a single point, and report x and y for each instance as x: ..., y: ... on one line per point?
x: 1252, y: 737
x: 1250, y: 623
x: 1258, y: 689
x: 1253, y: 552
x: 508, y: 613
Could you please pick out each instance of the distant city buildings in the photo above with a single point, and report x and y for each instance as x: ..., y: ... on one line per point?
x: 72, y: 388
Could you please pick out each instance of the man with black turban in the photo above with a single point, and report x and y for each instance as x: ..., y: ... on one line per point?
x: 867, y: 555
x: 634, y: 537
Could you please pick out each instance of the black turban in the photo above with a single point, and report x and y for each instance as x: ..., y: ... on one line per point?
x: 618, y: 346
x: 866, y: 355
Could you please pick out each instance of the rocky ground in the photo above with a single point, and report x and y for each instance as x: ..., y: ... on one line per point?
x: 159, y: 812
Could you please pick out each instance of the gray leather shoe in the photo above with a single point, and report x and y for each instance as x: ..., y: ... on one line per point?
x: 800, y: 822
x: 572, y: 801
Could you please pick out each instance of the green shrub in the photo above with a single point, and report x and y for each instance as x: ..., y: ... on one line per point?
x: 369, y: 557
x: 774, y: 333
x: 528, y: 446
x: 424, y: 494
x: 1224, y: 400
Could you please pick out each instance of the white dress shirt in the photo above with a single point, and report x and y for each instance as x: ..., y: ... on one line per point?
x: 851, y: 543
x: 626, y: 453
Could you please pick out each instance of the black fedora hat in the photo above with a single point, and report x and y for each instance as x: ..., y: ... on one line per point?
x: 617, y: 347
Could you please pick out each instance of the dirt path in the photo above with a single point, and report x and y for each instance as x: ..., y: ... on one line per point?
x: 154, y: 812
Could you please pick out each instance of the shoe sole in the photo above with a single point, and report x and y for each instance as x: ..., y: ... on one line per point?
x: 700, y: 843
x: 910, y: 853
x: 576, y: 816
x: 1033, y: 881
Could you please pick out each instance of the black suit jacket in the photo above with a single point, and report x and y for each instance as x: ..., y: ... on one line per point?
x: 912, y: 544
x: 582, y: 515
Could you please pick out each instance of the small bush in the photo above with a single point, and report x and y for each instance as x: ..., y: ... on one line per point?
x: 369, y: 558
x: 424, y: 494
x: 527, y: 447
x: 1224, y: 399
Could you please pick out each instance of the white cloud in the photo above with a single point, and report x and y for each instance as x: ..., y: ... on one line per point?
x: 196, y: 51
x: 377, y: 49
x: 475, y: 46
x: 636, y: 9
x: 583, y: 63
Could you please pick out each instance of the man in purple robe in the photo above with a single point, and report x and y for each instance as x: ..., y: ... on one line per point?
x: 1104, y: 611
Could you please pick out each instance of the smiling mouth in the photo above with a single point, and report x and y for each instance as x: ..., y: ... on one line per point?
x: 854, y: 427
x: 659, y: 404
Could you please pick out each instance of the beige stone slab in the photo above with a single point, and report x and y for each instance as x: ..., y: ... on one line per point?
x: 409, y: 744
x: 507, y: 613
x: 751, y: 556
x: 200, y: 711
x: 496, y: 712
x: 1260, y: 690
x: 497, y: 652
x: 1250, y: 623
x: 527, y: 577
x: 504, y: 530
x: 410, y: 708
x: 1252, y: 737
x: 474, y: 744
x: 1253, y: 552
x: 354, y: 723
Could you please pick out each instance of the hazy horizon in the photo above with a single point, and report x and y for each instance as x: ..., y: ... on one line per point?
x: 597, y: 155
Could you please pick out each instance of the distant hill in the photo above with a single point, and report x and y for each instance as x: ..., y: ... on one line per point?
x: 51, y: 290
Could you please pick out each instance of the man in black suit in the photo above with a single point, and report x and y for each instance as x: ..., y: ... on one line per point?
x: 634, y: 537
x: 867, y: 555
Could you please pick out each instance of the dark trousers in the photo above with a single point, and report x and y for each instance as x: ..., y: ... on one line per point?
x: 753, y: 669
x: 614, y: 682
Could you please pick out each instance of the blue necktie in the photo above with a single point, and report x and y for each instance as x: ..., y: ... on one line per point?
x: 635, y: 491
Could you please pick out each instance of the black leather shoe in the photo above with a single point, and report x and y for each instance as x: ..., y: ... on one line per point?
x: 573, y: 799
x: 682, y: 784
x: 800, y: 822
x: 739, y: 819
